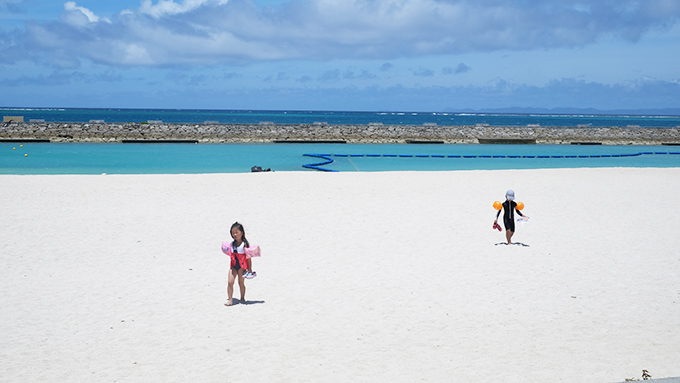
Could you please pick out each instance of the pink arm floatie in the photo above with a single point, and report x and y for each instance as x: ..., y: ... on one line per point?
x: 253, y: 251
x: 226, y: 248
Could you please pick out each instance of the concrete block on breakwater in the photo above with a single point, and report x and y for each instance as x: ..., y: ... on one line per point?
x: 209, y: 132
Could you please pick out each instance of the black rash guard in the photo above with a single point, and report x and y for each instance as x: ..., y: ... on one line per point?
x: 509, y: 207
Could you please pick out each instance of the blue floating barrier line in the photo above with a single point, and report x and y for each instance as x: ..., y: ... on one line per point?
x: 329, y: 160
x: 318, y: 166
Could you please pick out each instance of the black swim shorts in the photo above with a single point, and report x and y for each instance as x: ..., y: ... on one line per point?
x: 509, y: 224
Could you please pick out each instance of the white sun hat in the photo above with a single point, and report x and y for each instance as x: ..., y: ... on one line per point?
x: 510, y: 195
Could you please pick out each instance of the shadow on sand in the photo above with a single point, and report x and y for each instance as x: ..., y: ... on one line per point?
x: 247, y: 303
x: 513, y: 244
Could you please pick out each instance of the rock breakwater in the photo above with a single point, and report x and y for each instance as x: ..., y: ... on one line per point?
x: 258, y: 133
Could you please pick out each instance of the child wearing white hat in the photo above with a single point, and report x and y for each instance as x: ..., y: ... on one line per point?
x: 509, y: 208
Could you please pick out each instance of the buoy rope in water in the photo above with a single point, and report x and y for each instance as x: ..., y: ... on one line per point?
x: 329, y: 160
x: 318, y: 166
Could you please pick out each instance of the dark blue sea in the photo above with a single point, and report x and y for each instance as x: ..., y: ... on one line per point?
x: 335, y: 117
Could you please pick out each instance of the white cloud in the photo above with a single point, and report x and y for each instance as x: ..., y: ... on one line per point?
x: 169, y: 7
x: 79, y: 16
x: 136, y: 55
x: 72, y: 6
x: 221, y: 31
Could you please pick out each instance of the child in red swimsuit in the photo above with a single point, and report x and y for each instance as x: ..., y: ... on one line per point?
x: 241, y: 264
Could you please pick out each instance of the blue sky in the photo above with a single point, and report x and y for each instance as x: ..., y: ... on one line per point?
x: 392, y: 55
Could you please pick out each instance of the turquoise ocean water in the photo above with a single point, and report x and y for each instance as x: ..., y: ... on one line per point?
x: 116, y: 158
x: 82, y: 158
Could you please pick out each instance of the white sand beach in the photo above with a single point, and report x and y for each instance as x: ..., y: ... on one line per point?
x: 364, y: 277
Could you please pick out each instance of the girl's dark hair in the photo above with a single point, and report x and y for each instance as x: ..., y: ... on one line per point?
x: 240, y: 227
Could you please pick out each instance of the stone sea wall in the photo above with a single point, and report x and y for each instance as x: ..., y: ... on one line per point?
x: 371, y: 133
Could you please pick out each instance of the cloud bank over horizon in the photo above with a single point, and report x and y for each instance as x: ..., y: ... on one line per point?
x: 208, y: 45
x: 234, y: 31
